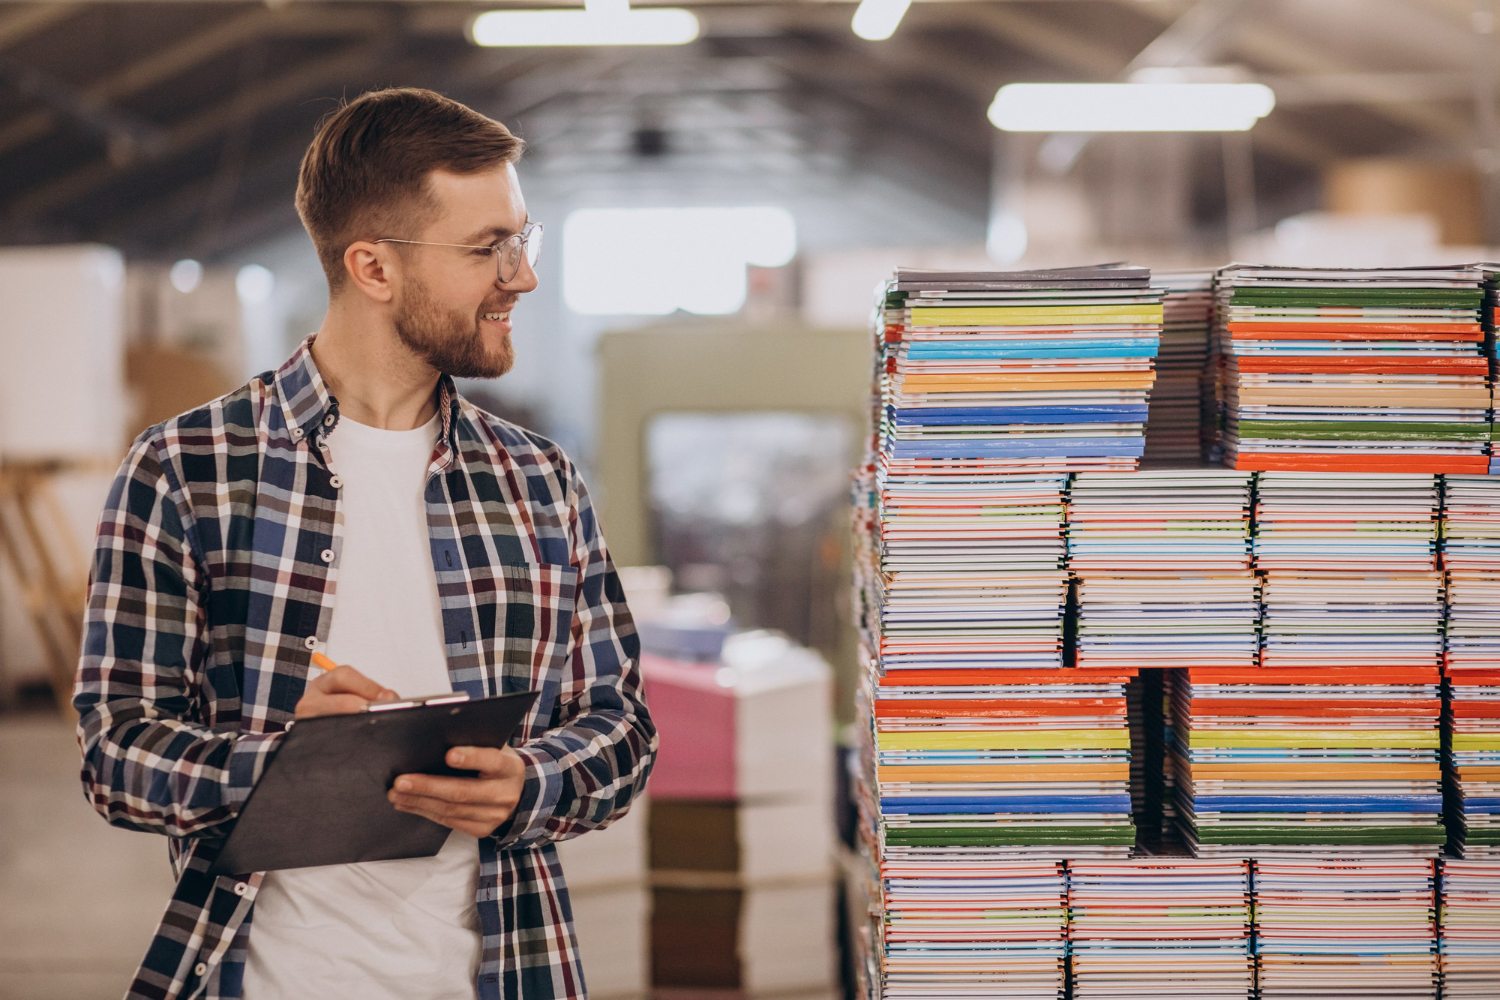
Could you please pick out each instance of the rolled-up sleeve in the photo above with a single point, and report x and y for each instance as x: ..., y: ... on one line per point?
x: 584, y: 773
x: 149, y: 760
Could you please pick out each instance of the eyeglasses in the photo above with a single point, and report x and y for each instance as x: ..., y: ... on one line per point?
x: 508, y: 252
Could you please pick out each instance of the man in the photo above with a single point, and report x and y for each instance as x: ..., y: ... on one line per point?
x: 353, y: 503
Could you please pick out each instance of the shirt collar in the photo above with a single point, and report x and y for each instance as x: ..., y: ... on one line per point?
x: 311, y: 409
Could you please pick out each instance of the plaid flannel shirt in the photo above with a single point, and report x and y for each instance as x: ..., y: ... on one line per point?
x: 213, y: 581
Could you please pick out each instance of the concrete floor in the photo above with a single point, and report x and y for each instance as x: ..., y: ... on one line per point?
x: 78, y: 898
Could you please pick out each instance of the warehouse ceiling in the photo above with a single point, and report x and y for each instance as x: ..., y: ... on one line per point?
x: 175, y: 128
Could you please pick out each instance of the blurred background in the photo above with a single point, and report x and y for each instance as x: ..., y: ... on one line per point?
x: 719, y: 211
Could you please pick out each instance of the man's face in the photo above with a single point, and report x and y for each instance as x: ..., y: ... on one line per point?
x: 451, y: 309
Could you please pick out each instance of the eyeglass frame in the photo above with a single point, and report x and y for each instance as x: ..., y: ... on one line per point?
x: 523, y: 238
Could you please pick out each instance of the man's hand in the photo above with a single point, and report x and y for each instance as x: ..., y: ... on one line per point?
x: 339, y: 692
x: 476, y: 806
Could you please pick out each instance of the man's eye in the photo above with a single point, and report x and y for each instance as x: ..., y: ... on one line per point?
x: 484, y: 251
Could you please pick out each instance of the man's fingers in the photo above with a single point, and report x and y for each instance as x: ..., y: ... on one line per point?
x: 332, y: 704
x: 488, y: 760
x: 443, y: 811
x: 450, y: 789
x: 347, y: 680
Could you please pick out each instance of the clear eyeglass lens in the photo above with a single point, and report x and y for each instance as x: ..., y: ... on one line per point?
x: 508, y: 258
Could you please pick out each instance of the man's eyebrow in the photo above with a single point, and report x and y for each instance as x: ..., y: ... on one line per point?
x: 493, y: 233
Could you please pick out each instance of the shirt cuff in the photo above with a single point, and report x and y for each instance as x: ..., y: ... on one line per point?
x: 247, y: 761
x: 539, y: 796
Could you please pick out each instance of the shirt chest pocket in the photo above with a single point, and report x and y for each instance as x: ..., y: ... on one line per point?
x: 535, y: 628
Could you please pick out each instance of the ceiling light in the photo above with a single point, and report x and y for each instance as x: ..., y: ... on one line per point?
x: 876, y: 20
x: 254, y: 284
x: 1130, y: 107
x: 618, y: 26
x: 185, y: 275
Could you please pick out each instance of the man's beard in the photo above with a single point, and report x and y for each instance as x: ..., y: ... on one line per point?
x: 446, y: 339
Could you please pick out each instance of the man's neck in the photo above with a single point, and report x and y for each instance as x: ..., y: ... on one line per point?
x: 373, y: 375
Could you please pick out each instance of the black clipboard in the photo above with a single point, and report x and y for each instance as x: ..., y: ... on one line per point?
x: 322, y: 799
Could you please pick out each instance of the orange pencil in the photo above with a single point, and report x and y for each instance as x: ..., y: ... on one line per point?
x: 323, y: 663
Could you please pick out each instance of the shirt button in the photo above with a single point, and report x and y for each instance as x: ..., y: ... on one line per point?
x: 336, y: 482
x: 326, y: 555
x: 240, y: 888
x: 328, y: 420
x: 296, y: 434
x: 311, y: 642
x: 200, y: 970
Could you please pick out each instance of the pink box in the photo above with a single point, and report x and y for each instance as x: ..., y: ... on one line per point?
x: 759, y: 724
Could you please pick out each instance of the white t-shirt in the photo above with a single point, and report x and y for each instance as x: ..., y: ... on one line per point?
x: 383, y: 930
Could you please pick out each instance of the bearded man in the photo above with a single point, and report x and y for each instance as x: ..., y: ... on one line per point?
x: 353, y: 503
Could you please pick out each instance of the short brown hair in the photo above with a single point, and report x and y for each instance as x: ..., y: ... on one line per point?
x: 365, y: 173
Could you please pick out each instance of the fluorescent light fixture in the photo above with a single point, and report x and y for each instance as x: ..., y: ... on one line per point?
x: 614, y: 26
x: 1130, y: 107
x: 876, y: 20
x: 656, y: 261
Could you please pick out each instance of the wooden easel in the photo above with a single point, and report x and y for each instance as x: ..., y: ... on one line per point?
x: 46, y: 561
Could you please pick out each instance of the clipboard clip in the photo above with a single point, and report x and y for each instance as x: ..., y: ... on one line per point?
x: 446, y: 698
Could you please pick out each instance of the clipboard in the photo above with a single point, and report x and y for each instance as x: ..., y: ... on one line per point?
x: 322, y: 799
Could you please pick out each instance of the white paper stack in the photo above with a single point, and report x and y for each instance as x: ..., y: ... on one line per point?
x: 1327, y: 620
x: 1469, y: 928
x: 1345, y: 928
x: 1163, y: 561
x: 742, y: 821
x: 1157, y: 927
x: 977, y: 926
x: 1371, y: 524
x: 608, y: 884
x: 1471, y: 560
x: 1471, y: 663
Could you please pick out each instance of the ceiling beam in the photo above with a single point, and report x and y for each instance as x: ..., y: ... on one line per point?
x: 1062, y: 46
x: 29, y: 19
x: 355, y: 61
x: 182, y: 55
x: 125, y: 135
x: 1266, y: 48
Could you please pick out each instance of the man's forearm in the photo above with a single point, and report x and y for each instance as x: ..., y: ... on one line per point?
x: 581, y: 777
x: 165, y: 775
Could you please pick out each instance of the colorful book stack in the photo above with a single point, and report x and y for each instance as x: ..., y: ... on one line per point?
x: 1307, y: 760
x: 1354, y: 370
x: 979, y: 749
x: 1471, y: 663
x: 1026, y: 762
x: 975, y: 927
x: 1163, y: 567
x: 1172, y: 431
x: 1027, y: 371
x: 1158, y: 927
x: 1472, y: 760
x: 1471, y: 562
x: 969, y: 574
x: 1345, y: 928
x: 1490, y: 321
x: 1333, y: 742
x: 1469, y: 928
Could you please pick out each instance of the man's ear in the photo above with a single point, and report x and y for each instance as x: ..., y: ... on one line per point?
x: 372, y: 269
